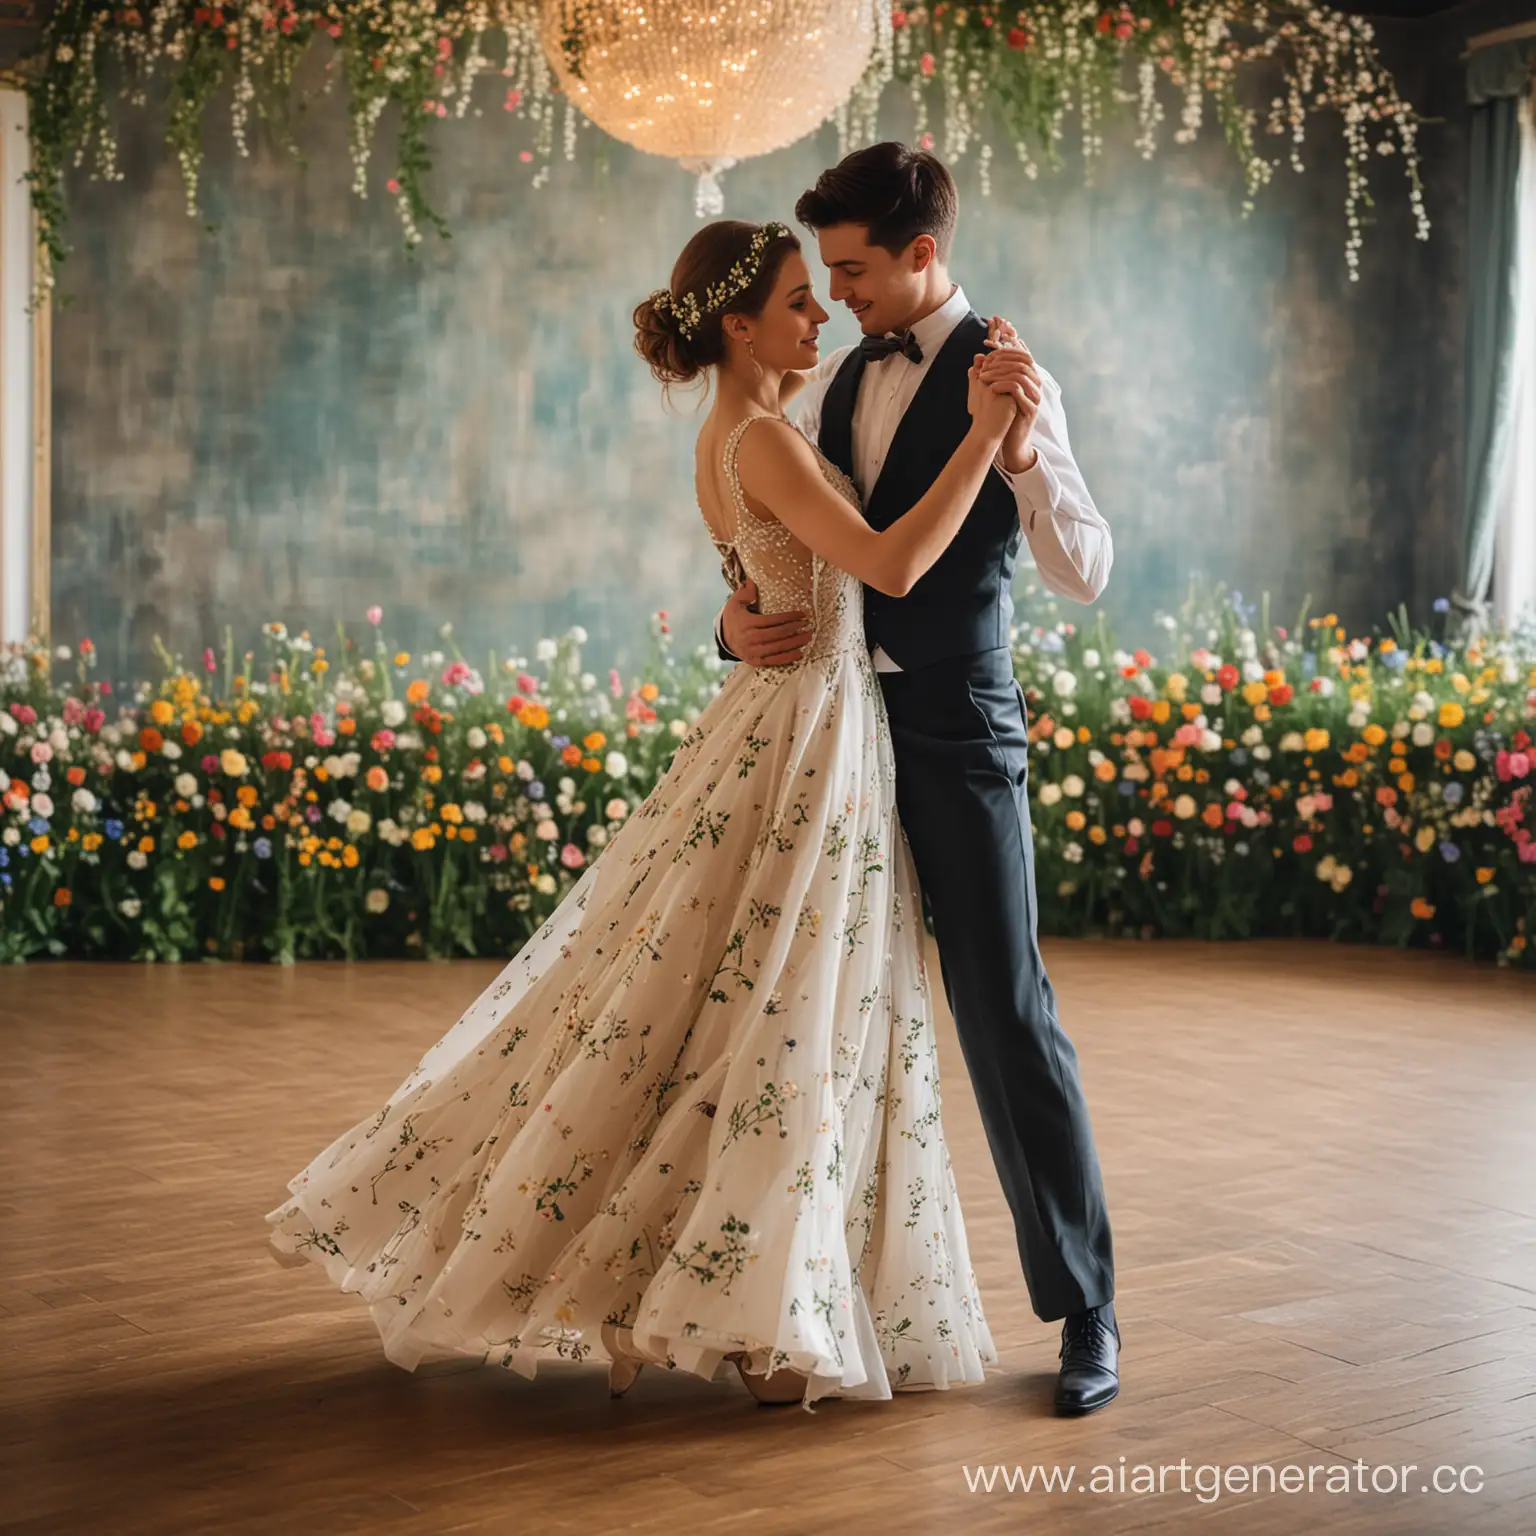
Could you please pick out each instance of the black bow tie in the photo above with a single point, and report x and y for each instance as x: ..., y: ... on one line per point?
x: 874, y: 348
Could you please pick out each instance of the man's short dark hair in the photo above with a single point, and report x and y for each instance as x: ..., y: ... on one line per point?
x: 898, y: 192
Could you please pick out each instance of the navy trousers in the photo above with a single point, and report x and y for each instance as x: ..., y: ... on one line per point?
x: 962, y: 765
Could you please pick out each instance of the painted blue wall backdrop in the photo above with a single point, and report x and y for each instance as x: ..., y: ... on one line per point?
x: 288, y: 419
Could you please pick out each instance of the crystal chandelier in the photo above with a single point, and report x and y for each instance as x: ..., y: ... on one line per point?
x: 710, y: 82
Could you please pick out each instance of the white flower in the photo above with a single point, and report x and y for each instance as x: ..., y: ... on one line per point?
x: 1090, y: 658
x: 1293, y: 741
x: 616, y: 765
x: 186, y: 785
x: 678, y: 728
x: 525, y: 771
x: 1325, y: 687
x: 11, y: 836
x: 567, y: 785
x: 1049, y: 794
x: 476, y: 738
x: 130, y: 906
x: 171, y: 751
x: 1073, y: 853
x: 1210, y: 741
x: 392, y: 713
x: 1358, y: 719
x: 597, y: 836
x: 42, y: 805
x: 545, y: 885
x: 1072, y: 785
x: 474, y: 811
x: 1261, y: 753
x: 377, y: 900
x: 1211, y: 694
x: 1064, y: 684
x: 1423, y: 734
x: 358, y: 822
x: 547, y: 830
x: 1184, y: 807
x: 1063, y: 737
x: 546, y: 650
x: 338, y: 810
x: 578, y: 634
x: 83, y: 801
x: 136, y: 860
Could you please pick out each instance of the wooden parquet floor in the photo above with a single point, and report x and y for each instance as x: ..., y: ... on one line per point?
x: 1321, y: 1165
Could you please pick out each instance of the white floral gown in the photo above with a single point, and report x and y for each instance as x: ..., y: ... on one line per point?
x: 703, y: 1101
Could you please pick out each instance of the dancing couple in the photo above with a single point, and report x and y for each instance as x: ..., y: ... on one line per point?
x: 695, y: 1122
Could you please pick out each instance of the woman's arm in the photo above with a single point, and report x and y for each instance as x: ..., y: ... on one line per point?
x: 779, y: 471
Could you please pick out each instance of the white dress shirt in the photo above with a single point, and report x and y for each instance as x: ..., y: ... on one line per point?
x: 1069, y: 539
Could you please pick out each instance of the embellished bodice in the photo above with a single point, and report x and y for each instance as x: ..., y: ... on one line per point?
x: 789, y: 577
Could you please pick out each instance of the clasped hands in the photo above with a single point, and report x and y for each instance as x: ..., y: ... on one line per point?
x: 780, y: 639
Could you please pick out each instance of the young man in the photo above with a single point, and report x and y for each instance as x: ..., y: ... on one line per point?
x: 890, y: 412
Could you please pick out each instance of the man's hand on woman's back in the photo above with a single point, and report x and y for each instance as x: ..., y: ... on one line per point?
x: 762, y: 640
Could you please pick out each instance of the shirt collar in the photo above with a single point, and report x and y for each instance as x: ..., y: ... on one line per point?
x: 932, y: 331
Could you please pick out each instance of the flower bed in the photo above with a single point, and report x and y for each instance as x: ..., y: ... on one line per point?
x: 1244, y: 779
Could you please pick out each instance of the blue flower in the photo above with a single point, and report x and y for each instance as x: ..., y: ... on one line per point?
x: 1051, y: 642
x: 535, y: 790
x: 1239, y: 756
x: 1436, y: 649
x: 1309, y: 663
x: 262, y: 848
x: 5, y: 857
x: 1442, y: 605
x: 112, y: 827
x: 1126, y: 788
x: 1453, y: 794
x: 559, y: 743
x: 5, y: 879
x: 1449, y: 852
x: 37, y: 826
x: 1396, y: 660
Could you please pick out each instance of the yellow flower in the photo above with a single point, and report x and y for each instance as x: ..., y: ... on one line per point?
x: 161, y: 712
x: 1254, y: 693
x: 432, y: 774
x: 39, y: 844
x: 350, y: 855
x: 1405, y: 782
x: 422, y: 838
x: 1160, y: 711
x: 1451, y: 715
x: 1424, y: 839
x: 594, y: 741
x: 1176, y: 686
x: 1373, y: 735
x: 1096, y: 834
x: 187, y: 840
x: 452, y: 813
x: 232, y: 762
x: 1315, y: 740
x: 535, y: 717
x: 402, y: 658
x: 91, y: 842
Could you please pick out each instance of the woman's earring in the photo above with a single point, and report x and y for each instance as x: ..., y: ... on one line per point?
x: 753, y: 355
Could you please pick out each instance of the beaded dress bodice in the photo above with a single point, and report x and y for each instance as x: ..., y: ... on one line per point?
x: 789, y: 577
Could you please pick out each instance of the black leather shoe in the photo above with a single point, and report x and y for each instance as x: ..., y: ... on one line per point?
x: 1090, y: 1351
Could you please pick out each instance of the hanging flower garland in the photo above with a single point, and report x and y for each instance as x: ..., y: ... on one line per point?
x: 1029, y: 66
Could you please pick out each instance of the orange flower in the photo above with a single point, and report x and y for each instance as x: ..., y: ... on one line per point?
x: 191, y: 732
x: 535, y: 717
x: 1422, y: 909
x: 591, y: 764
x: 215, y: 882
x: 150, y: 740
x: 378, y: 780
x: 649, y: 692
x: 594, y: 741
x: 571, y: 755
x: 62, y: 897
x: 417, y: 691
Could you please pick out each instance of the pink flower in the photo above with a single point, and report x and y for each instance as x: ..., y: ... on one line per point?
x: 526, y: 157
x: 526, y: 684
x: 375, y: 615
x: 456, y: 672
x: 442, y: 111
x: 498, y: 852
x: 513, y: 102
x: 24, y: 713
x: 615, y: 684
x: 898, y: 19
x: 1323, y: 802
x: 94, y: 720
x: 1501, y: 765
x: 210, y: 763
x: 210, y: 664
x: 1234, y: 810
x: 1519, y: 764
x: 1528, y: 851
x: 445, y: 47
x: 572, y: 856
x: 926, y: 64
x: 925, y: 141
x: 392, y: 187
x: 323, y: 737
x: 1187, y: 734
x: 74, y: 710
x: 382, y: 740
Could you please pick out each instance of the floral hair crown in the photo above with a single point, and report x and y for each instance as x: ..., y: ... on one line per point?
x: 689, y: 311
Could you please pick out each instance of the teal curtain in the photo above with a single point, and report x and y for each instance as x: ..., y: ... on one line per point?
x: 1497, y: 77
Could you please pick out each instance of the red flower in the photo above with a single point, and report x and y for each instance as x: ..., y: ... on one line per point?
x: 1141, y: 708
x: 1141, y: 658
x: 1228, y: 677
x: 1161, y: 828
x: 1018, y: 39
x: 1281, y: 694
x: 1301, y: 843
x: 1103, y: 23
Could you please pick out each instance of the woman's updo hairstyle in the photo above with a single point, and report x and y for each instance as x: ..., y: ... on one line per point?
x: 677, y: 350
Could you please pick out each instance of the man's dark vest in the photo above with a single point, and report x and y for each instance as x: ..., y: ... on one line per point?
x: 964, y: 602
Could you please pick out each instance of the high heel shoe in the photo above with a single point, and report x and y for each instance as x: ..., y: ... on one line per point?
x: 625, y: 1364
x: 776, y: 1388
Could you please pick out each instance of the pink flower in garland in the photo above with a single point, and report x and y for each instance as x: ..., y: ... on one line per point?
x: 926, y: 64
x: 375, y: 615
x: 572, y: 856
